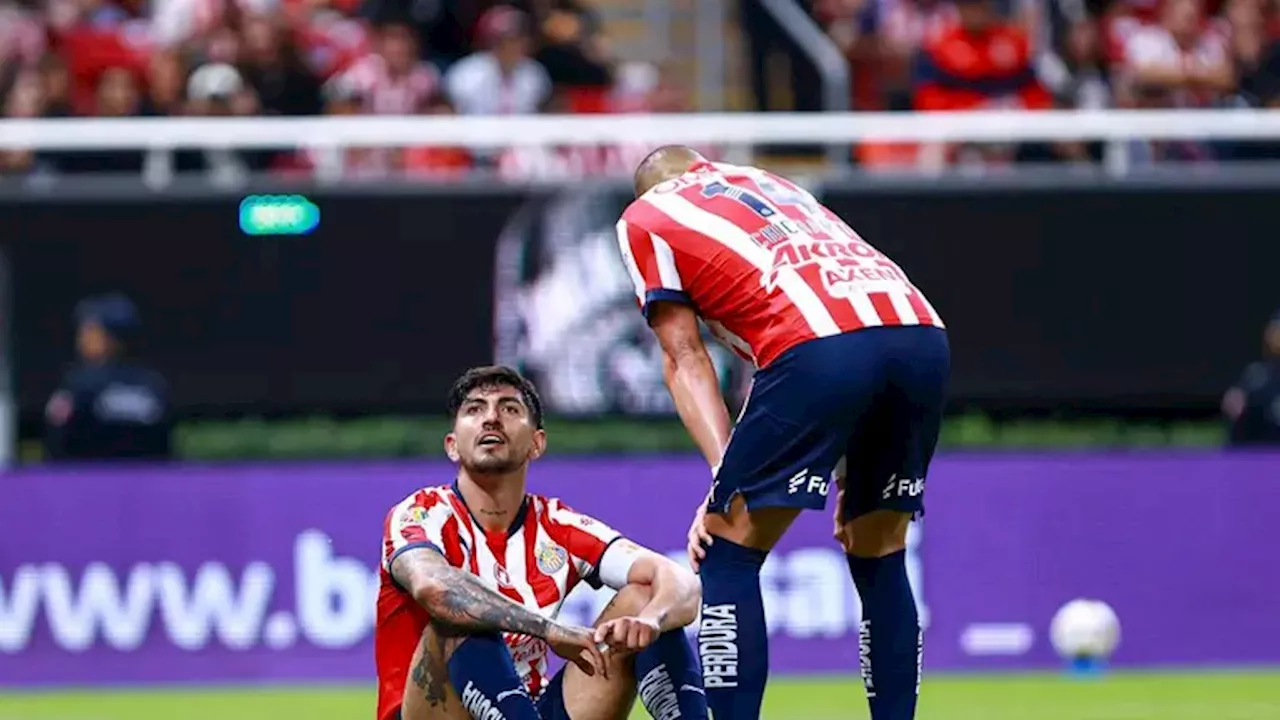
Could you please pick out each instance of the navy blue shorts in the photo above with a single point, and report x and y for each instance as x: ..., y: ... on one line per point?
x: 867, y: 404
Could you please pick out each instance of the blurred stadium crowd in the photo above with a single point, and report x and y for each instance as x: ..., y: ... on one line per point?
x: 127, y: 58
x: 122, y: 58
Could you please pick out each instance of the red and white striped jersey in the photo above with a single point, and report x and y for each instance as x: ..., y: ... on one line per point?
x: 536, y: 562
x: 765, y: 264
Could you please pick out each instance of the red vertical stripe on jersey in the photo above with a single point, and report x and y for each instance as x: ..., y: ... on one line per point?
x: 544, y: 588
x: 884, y: 308
x: 460, y: 511
x: 452, y: 543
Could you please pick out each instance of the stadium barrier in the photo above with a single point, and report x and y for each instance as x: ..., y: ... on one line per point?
x: 236, y: 572
x: 698, y: 128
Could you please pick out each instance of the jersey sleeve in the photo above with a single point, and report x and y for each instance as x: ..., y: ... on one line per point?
x: 652, y: 266
x: 585, y: 538
x: 417, y: 522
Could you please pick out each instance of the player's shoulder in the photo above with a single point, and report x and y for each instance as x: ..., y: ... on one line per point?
x: 423, y: 503
x: 557, y: 511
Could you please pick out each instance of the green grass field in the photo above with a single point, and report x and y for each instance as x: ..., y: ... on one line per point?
x: 1128, y: 696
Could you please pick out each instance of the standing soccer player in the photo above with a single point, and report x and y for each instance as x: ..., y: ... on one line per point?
x: 474, y: 574
x: 852, y: 372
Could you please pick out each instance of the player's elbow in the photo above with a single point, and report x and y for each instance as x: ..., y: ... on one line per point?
x: 431, y: 593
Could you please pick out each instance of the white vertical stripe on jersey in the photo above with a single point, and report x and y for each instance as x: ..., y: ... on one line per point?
x: 629, y: 258
x: 902, y: 306
x: 739, y: 241
x: 666, y: 261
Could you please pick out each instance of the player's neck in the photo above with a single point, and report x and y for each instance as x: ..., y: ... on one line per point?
x: 494, y: 500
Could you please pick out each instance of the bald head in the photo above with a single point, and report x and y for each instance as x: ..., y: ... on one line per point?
x: 665, y: 163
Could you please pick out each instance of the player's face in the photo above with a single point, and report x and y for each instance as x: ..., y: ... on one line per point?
x: 493, y: 432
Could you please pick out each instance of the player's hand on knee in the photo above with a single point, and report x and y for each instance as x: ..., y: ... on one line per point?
x: 579, y: 646
x: 698, y: 538
x: 630, y: 634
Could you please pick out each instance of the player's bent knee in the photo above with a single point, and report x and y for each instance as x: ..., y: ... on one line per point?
x: 877, y: 534
x: 630, y: 600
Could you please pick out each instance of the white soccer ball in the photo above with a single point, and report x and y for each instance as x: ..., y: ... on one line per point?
x: 1085, y: 629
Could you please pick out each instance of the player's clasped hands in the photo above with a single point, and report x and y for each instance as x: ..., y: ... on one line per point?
x: 579, y: 646
x: 628, y: 633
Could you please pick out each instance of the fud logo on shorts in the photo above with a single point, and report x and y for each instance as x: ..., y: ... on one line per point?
x: 550, y: 558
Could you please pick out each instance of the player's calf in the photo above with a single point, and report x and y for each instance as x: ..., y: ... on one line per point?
x: 889, y: 637
x: 456, y: 677
x: 664, y: 675
x: 732, y: 637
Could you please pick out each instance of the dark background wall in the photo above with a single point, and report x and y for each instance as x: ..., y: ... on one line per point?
x: 1115, y: 299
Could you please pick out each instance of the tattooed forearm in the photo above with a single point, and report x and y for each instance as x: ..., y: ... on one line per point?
x: 459, y: 600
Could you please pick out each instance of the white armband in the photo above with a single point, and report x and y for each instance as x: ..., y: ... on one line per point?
x: 615, y: 564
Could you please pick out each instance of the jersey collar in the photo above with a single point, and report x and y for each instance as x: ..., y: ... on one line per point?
x: 516, y: 524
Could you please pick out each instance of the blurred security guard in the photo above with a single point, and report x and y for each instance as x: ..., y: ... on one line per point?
x: 107, y: 408
x: 1253, y: 405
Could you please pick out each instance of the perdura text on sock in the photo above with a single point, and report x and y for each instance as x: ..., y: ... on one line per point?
x: 718, y: 646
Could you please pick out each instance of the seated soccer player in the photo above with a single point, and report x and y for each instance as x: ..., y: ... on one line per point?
x: 475, y: 572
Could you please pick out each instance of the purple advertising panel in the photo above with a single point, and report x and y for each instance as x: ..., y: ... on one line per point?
x: 267, y: 572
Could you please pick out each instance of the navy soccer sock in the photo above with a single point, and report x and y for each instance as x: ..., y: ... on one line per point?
x: 732, y: 641
x: 668, y: 680
x: 889, y: 640
x: 484, y: 677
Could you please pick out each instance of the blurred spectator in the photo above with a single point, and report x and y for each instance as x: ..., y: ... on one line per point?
x: 271, y: 66
x: 1178, y: 61
x: 980, y: 62
x: 106, y: 406
x: 25, y: 101
x: 166, y: 83
x: 218, y: 90
x: 392, y: 79
x: 1252, y: 406
x: 55, y: 81
x: 881, y: 39
x: 501, y: 79
x: 574, y: 51
x: 22, y: 34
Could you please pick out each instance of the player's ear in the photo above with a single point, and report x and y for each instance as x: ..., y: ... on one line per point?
x: 451, y: 447
x: 539, y: 444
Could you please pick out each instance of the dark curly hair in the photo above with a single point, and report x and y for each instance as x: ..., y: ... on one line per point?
x: 495, y: 376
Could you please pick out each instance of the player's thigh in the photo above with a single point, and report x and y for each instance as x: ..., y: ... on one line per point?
x: 891, y: 446
x: 792, y: 431
x: 428, y: 694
